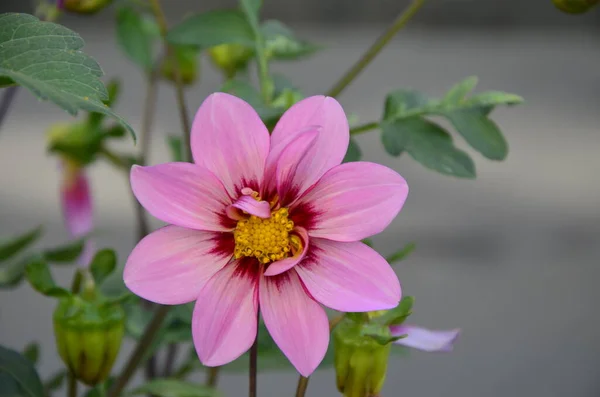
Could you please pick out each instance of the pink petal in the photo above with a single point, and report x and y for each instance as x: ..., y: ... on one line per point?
x: 87, y: 254
x: 229, y: 139
x: 286, y: 264
x: 331, y: 143
x: 224, y: 322
x: 354, y: 201
x: 294, y: 173
x: 182, y: 194
x: 76, y: 202
x: 171, y: 265
x: 425, y: 339
x: 262, y: 209
x: 296, y: 322
x: 349, y: 277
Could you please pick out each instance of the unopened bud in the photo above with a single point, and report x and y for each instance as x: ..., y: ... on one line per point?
x: 88, y: 336
x: 575, y: 6
x: 85, y: 6
x: 187, y: 61
x: 230, y: 58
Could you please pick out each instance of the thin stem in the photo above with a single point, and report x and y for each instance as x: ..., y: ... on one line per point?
x: 72, y: 385
x: 170, y: 360
x: 375, y: 48
x: 359, y: 129
x: 179, y: 89
x: 212, y: 376
x: 140, y: 350
x: 253, y: 367
x: 7, y: 99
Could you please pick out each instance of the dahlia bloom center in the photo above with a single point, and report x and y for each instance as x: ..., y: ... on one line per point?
x: 268, y: 239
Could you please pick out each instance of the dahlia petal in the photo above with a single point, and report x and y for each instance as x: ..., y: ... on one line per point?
x: 294, y: 174
x: 350, y: 277
x: 354, y: 201
x: 331, y: 144
x: 183, y: 194
x: 297, y: 323
x: 224, y: 323
x: 171, y: 265
x: 262, y: 209
x: 286, y: 264
x: 229, y: 139
x: 425, y: 339
x: 76, y: 202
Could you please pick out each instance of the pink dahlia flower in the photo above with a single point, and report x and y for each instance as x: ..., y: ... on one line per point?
x: 270, y: 222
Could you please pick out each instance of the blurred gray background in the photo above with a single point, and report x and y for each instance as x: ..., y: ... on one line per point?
x: 512, y: 258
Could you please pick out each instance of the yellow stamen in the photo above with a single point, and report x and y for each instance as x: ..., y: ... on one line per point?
x: 266, y: 239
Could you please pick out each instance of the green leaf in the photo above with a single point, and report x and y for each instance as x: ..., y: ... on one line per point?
x: 16, y: 368
x: 114, y: 131
x: 12, y: 246
x: 399, y: 102
x: 103, y: 265
x: 66, y: 253
x: 248, y: 93
x: 459, y: 91
x: 380, y: 334
x: 354, y: 153
x: 55, y: 381
x: 44, y: 58
x: 398, y: 314
x: 175, y: 147
x: 282, y: 44
x: 480, y: 132
x: 134, y: 38
x: 32, y: 352
x: 494, y: 98
x: 368, y: 242
x: 402, y: 253
x: 429, y: 144
x: 213, y: 28
x: 12, y: 272
x: 174, y: 388
x: 251, y: 9
x: 38, y: 275
x: 100, y: 389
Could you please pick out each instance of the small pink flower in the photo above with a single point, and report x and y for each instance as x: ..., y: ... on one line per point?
x: 425, y: 339
x: 266, y: 221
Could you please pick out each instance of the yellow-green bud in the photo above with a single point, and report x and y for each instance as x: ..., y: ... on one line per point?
x: 77, y: 142
x: 85, y: 6
x: 575, y: 6
x: 88, y: 337
x: 360, y: 361
x: 187, y: 60
x: 230, y: 58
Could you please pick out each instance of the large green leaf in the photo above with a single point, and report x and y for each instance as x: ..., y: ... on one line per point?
x: 429, y: 144
x: 44, y: 57
x: 399, y: 102
x: 134, y: 37
x: 282, y: 44
x: 38, y: 275
x: 213, y: 28
x: 16, y: 369
x: 12, y: 246
x: 174, y: 388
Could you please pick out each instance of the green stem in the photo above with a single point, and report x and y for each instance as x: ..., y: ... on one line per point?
x: 72, y: 385
x: 212, y: 376
x: 140, y: 350
x: 302, y: 386
x: 375, y: 48
x: 266, y: 84
x: 364, y: 128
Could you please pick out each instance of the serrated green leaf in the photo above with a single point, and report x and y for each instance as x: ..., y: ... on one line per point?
x: 55, y: 381
x: 494, y: 98
x: 401, y: 254
x: 480, y: 132
x: 18, y: 369
x: 429, y: 144
x: 282, y: 44
x: 44, y: 57
x: 113, y: 88
x: 460, y: 90
x: 12, y: 246
x: 399, y: 102
x: 103, y: 265
x: 398, y: 314
x: 174, y: 388
x: 32, y: 352
x: 39, y: 276
x: 66, y: 253
x: 354, y: 153
x: 134, y: 38
x: 213, y: 28
x: 175, y: 147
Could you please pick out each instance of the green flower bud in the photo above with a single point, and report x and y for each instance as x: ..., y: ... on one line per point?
x: 187, y: 60
x: 230, y: 58
x: 575, y: 6
x: 360, y: 361
x: 88, y: 336
x: 85, y: 6
x: 78, y: 142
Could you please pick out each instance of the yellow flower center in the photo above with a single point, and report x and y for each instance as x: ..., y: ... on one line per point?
x: 266, y: 239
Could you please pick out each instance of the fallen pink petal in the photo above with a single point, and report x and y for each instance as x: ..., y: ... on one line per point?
x: 266, y: 222
x: 425, y: 339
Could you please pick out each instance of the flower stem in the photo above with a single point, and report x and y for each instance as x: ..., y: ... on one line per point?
x: 375, y: 48
x: 212, y: 376
x: 6, y: 101
x: 72, y: 385
x: 359, y: 129
x: 253, y: 368
x: 170, y: 360
x: 140, y: 350
x: 179, y: 90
